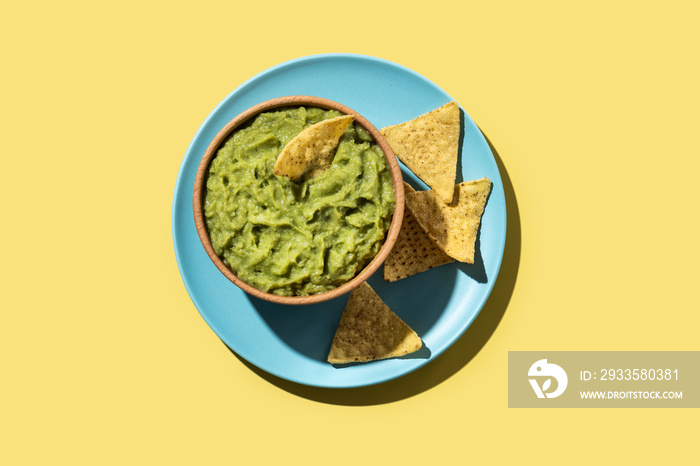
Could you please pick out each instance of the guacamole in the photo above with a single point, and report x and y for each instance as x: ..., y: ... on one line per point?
x: 297, y: 239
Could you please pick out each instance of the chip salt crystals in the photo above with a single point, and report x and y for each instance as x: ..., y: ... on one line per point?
x: 369, y: 330
x: 455, y: 225
x: 311, y: 151
x: 429, y: 146
x: 414, y: 251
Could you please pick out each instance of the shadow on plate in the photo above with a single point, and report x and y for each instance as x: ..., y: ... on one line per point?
x: 459, y: 178
x: 454, y: 358
x: 309, y: 330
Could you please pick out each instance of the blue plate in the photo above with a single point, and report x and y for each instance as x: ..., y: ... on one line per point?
x: 292, y: 342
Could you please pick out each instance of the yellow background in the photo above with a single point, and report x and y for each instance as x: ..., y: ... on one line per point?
x: 591, y: 107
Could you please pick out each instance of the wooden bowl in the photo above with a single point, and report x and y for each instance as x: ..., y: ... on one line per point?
x: 294, y: 101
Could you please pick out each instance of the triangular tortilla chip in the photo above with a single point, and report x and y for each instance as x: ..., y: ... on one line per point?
x: 369, y: 330
x: 311, y: 151
x: 429, y: 146
x: 452, y: 226
x: 414, y: 251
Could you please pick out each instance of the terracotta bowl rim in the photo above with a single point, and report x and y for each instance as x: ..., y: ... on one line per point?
x: 286, y: 101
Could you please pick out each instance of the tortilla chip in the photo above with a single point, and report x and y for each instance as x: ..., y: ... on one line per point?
x: 452, y: 226
x: 414, y: 251
x: 311, y: 151
x: 429, y: 146
x: 369, y: 330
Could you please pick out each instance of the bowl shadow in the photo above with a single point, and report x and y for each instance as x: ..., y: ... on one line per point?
x: 444, y: 366
x: 309, y: 329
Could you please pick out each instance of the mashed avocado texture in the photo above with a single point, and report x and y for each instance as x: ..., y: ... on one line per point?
x: 296, y: 239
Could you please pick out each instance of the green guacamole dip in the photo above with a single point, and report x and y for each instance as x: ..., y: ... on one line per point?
x: 297, y: 239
